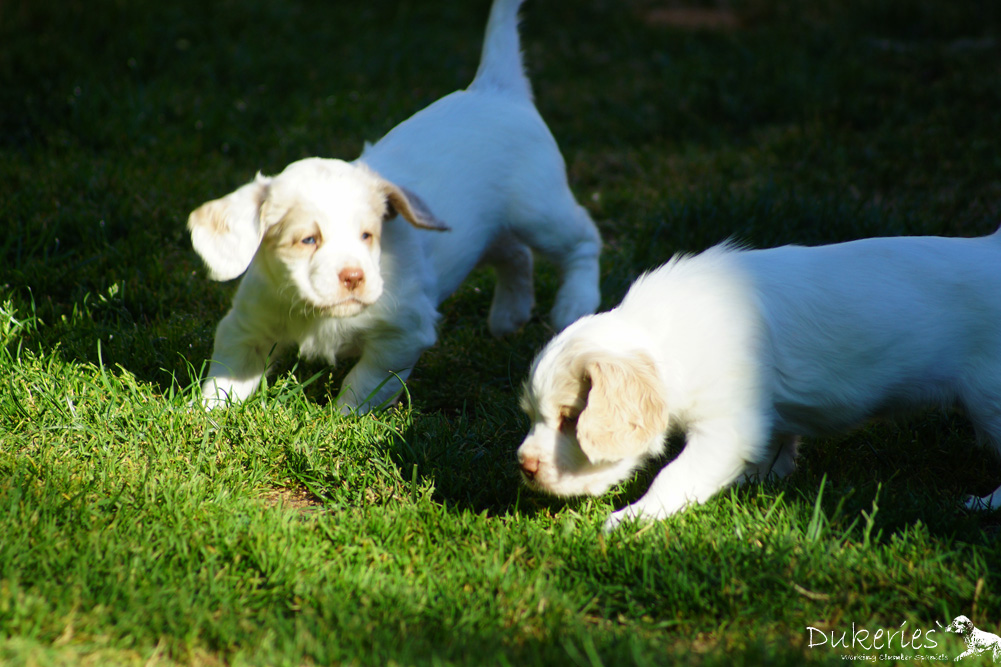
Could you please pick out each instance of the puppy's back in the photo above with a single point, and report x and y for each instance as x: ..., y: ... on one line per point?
x: 876, y: 325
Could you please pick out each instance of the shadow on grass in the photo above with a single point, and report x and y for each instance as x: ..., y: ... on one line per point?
x: 918, y: 470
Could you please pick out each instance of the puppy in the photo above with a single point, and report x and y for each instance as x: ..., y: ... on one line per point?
x: 353, y: 258
x: 977, y: 641
x: 744, y: 350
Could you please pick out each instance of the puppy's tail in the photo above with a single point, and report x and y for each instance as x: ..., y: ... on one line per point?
x: 501, y: 67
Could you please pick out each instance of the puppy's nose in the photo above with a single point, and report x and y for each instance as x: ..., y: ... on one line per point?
x: 529, y: 467
x: 351, y: 278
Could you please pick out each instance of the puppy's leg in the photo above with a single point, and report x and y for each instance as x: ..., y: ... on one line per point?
x: 370, y: 385
x: 987, y: 421
x: 385, y: 364
x: 550, y: 221
x: 778, y: 463
x: 992, y: 501
x: 715, y: 457
x: 514, y: 294
x: 239, y: 361
x: 579, y: 293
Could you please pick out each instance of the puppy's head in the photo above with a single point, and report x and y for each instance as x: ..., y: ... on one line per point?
x: 316, y: 229
x: 596, y: 412
x: 960, y: 625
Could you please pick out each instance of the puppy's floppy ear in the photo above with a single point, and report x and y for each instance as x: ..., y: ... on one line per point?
x: 412, y: 208
x: 625, y: 408
x: 227, y: 232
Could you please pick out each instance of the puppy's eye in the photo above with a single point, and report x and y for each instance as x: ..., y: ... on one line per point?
x: 568, y: 424
x: 309, y: 240
x: 366, y: 236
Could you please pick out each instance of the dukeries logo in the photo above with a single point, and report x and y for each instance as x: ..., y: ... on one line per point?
x: 978, y: 642
x: 903, y: 644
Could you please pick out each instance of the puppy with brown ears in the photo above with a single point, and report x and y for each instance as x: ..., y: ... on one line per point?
x: 745, y: 350
x: 594, y: 415
x: 353, y: 258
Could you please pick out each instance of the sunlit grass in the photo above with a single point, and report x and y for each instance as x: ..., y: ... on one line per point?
x: 135, y: 528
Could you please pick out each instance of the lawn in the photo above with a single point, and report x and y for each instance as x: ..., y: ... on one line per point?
x: 136, y: 529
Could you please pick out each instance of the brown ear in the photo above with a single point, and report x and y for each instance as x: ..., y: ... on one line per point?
x: 227, y: 232
x: 625, y: 408
x: 412, y: 208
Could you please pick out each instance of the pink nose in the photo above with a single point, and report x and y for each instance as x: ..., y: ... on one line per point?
x: 529, y: 467
x: 351, y: 278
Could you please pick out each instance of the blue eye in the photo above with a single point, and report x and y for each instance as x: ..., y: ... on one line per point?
x: 365, y: 236
x: 309, y: 240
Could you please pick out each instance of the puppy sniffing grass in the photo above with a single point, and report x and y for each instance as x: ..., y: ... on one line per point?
x: 745, y: 350
x: 353, y: 258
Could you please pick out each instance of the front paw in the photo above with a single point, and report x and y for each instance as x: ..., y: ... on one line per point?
x: 214, y: 397
x: 220, y: 392
x: 615, y: 519
x: 646, y: 509
x: 510, y: 315
x: 984, y: 503
x: 626, y: 515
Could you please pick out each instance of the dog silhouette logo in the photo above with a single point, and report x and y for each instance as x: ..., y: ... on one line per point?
x: 977, y: 641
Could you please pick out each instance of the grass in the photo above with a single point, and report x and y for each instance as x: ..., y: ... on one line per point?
x: 137, y: 530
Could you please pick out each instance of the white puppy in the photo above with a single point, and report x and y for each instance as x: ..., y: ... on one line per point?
x: 337, y: 258
x: 744, y: 350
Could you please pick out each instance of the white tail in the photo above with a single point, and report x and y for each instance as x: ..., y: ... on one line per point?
x: 501, y: 67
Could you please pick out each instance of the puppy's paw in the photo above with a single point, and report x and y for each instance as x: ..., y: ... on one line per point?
x: 614, y: 520
x: 646, y: 509
x: 511, y: 308
x: 980, y: 504
x: 220, y: 392
x: 627, y: 515
x: 509, y: 312
x: 216, y: 398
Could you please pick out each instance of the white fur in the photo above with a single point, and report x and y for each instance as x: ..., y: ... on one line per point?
x: 978, y: 642
x: 745, y: 350
x: 330, y: 267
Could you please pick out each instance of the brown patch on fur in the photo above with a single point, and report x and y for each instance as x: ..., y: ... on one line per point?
x: 625, y: 407
x: 412, y: 208
x: 389, y: 199
x: 293, y: 226
x: 215, y: 215
x: 212, y: 216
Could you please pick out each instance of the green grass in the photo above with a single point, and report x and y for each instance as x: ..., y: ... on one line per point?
x: 135, y: 529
